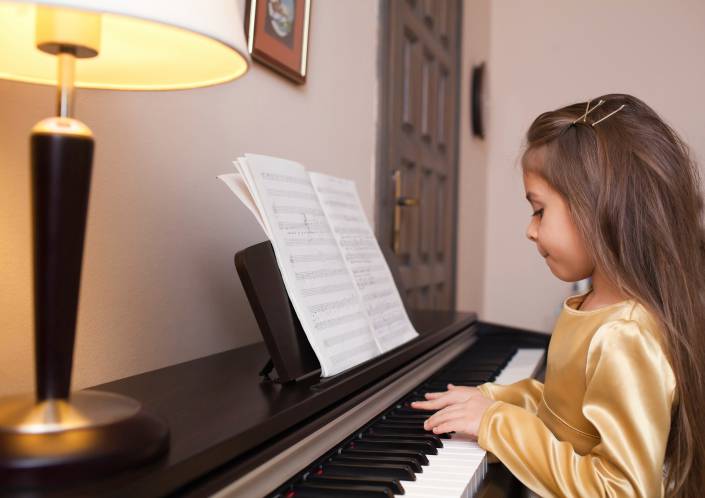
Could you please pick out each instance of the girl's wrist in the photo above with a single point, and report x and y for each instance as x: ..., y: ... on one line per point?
x: 483, y: 428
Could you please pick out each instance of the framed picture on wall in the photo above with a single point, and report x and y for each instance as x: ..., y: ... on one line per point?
x: 277, y: 35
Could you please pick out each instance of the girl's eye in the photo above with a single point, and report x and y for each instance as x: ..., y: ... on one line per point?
x: 538, y: 212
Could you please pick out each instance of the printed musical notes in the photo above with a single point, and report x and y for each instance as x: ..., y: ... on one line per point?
x: 338, y: 281
x: 320, y: 286
x: 360, y: 249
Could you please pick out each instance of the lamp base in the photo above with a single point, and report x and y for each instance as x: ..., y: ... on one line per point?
x: 59, y: 441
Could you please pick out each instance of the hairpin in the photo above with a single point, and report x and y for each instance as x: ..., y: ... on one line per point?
x: 588, y: 111
x: 613, y: 112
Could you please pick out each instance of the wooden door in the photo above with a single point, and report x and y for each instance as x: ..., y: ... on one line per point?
x: 416, y: 208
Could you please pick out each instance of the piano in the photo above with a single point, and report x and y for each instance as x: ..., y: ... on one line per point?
x: 238, y: 433
x: 235, y: 434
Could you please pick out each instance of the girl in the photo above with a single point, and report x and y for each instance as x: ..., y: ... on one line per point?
x: 615, y: 196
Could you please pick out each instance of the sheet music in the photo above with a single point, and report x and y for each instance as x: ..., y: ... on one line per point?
x: 320, y: 287
x: 236, y: 183
x: 358, y: 245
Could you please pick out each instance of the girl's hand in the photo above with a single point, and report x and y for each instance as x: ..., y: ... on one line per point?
x: 454, y: 395
x: 462, y: 418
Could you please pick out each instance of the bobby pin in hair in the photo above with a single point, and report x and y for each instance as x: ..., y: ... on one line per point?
x: 613, y: 112
x: 588, y: 110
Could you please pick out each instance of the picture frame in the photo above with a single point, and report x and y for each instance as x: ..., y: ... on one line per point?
x: 278, y: 34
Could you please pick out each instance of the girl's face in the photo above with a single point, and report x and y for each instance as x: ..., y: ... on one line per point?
x: 554, y: 232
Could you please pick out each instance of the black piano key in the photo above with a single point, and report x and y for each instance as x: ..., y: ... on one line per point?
x: 399, y: 425
x: 411, y: 413
x: 386, y: 420
x: 413, y: 464
x: 493, y: 361
x: 417, y: 456
x: 405, y: 444
x: 324, y: 490
x: 429, y: 437
x: 462, y: 382
x: 482, y: 372
x: 466, y: 381
x: 396, y: 471
x: 452, y: 376
x: 401, y: 431
x: 391, y: 436
x: 412, y: 421
x: 393, y: 484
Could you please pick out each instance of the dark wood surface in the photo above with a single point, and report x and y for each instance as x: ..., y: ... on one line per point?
x: 222, y: 416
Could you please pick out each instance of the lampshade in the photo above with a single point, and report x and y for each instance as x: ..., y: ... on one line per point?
x: 142, y: 44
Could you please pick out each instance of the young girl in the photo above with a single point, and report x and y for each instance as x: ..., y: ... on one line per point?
x: 615, y: 196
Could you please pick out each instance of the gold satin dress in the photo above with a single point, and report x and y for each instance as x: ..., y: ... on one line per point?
x: 600, y: 423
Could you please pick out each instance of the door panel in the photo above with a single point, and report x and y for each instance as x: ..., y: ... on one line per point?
x: 416, y: 180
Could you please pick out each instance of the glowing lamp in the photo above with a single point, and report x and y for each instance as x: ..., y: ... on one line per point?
x: 57, y: 435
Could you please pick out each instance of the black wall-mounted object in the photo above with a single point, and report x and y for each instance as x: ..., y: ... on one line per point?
x: 290, y: 351
x: 476, y: 97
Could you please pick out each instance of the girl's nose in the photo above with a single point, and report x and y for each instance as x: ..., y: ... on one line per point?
x: 531, y: 231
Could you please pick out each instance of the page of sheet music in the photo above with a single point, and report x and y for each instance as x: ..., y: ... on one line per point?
x: 358, y: 244
x: 236, y: 183
x: 319, y: 284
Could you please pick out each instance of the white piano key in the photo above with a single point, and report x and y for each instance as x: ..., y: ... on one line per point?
x: 460, y: 466
x: 521, y: 366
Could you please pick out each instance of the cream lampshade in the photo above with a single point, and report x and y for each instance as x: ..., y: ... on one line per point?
x: 141, y: 45
x: 57, y: 435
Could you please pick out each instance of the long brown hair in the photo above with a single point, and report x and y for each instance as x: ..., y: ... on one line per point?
x: 633, y: 189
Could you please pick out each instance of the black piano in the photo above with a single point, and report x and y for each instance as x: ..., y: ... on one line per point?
x: 237, y: 432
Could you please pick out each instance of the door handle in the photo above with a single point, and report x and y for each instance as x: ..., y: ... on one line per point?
x: 400, y: 201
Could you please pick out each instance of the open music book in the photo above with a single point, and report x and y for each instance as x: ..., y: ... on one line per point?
x: 337, y: 278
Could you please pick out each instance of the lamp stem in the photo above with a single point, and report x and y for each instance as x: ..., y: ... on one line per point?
x: 65, y: 81
x: 62, y: 153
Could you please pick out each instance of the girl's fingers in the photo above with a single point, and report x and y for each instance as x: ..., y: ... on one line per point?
x: 441, y: 416
x: 434, y: 395
x: 434, y: 404
x: 454, y: 425
x: 434, y: 401
x: 437, y: 400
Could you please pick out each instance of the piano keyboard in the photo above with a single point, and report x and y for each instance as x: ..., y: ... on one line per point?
x: 448, y: 472
x: 394, y: 456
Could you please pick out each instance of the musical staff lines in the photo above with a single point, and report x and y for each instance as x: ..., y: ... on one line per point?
x: 326, y: 289
x: 338, y: 339
x: 316, y: 226
x: 289, y: 209
x: 312, y: 258
x: 279, y: 177
x: 316, y: 274
x: 335, y: 191
x: 310, y: 241
x: 333, y: 322
x: 334, y: 305
x: 373, y: 280
x: 348, y: 356
x: 291, y: 194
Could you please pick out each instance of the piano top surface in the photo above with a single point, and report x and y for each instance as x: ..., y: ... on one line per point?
x: 218, y: 409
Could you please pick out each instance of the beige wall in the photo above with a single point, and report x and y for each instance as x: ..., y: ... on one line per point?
x: 159, y: 286
x: 472, y: 167
x: 544, y: 54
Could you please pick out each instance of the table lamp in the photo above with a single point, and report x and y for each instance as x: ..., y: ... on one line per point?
x: 107, y: 44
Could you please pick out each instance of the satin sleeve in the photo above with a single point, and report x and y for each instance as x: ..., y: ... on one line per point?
x: 628, y: 399
x: 526, y: 393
